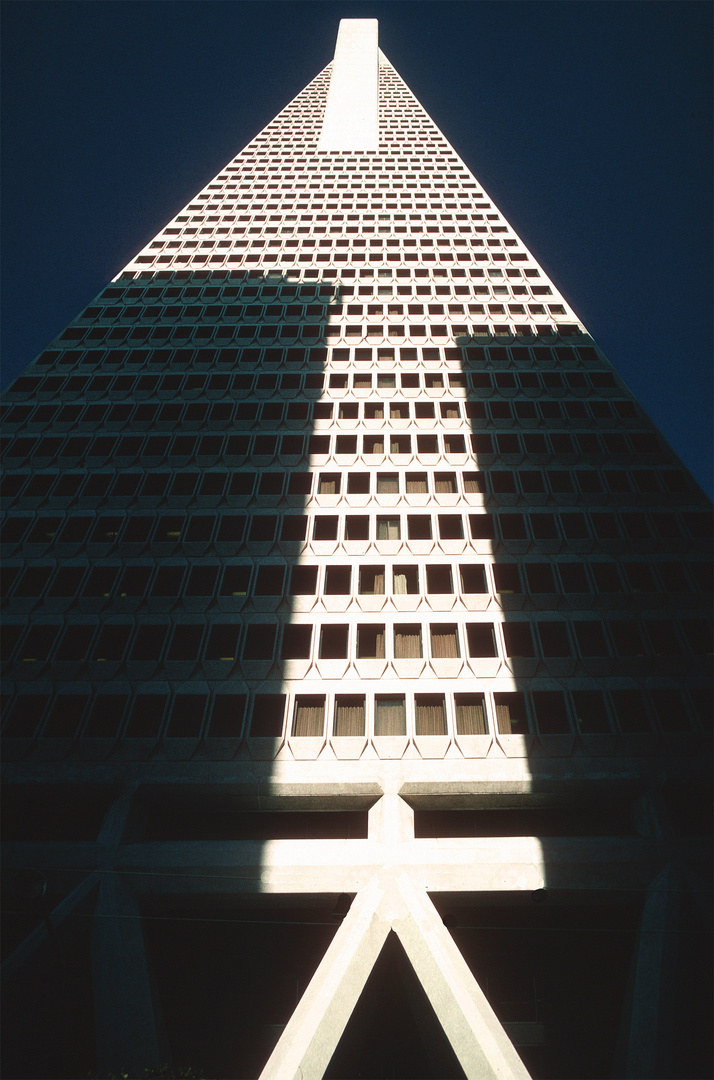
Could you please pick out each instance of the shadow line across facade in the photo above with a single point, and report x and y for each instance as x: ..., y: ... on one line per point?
x: 355, y: 645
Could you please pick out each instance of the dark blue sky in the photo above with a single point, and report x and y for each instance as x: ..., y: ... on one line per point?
x: 589, y: 124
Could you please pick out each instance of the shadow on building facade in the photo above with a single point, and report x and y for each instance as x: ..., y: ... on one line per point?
x: 184, y: 546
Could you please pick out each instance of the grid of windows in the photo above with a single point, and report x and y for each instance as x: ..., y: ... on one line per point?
x: 335, y: 423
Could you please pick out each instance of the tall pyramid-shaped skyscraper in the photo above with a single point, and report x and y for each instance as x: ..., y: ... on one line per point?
x: 356, y: 645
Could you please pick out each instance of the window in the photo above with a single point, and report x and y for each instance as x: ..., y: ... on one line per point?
x: 270, y: 580
x: 259, y: 641
x: 573, y: 578
x: 390, y: 715
x: 268, y: 714
x: 445, y: 483
x: 606, y: 577
x: 325, y: 528
x: 370, y: 642
x: 506, y: 578
x: 357, y: 527
x: 371, y: 580
x: 518, y: 638
x: 358, y: 483
x: 416, y: 484
x: 551, y: 712
x: 223, y: 642
x: 389, y: 528
x: 540, y: 578
x: 511, y: 713
x: 590, y: 712
x: 470, y: 714
x: 309, y: 717
x: 627, y: 637
x: 630, y: 710
x: 333, y: 642
x: 444, y: 641
x: 405, y: 580
x: 438, y: 579
x: 349, y: 715
x: 329, y: 484
x: 590, y: 638
x: 430, y: 714
x: 387, y: 483
x: 554, y: 639
x: 481, y: 639
x: 407, y: 641
x: 297, y: 641
x: 338, y: 580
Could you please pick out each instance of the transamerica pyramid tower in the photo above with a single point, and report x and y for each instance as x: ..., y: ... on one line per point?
x: 356, y: 646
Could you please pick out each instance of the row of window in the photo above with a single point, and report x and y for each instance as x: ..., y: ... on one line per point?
x: 70, y: 450
x: 196, y: 713
x: 191, y: 642
x: 236, y: 528
x: 242, y: 580
x: 242, y: 485
x: 504, y: 383
x: 174, y: 414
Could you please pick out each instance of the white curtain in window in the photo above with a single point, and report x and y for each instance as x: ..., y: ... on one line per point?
x: 430, y: 716
x: 309, y: 718
x: 390, y: 716
x: 470, y: 719
x: 349, y: 717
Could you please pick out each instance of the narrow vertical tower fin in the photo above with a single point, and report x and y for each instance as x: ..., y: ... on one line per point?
x: 352, y: 112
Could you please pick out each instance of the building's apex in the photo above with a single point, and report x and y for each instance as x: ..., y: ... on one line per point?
x: 351, y: 113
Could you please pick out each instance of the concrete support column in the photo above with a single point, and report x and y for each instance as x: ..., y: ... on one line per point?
x: 394, y: 903
x: 390, y: 820
x: 124, y: 1020
x: 310, y: 1038
x: 649, y: 1040
x: 476, y: 1035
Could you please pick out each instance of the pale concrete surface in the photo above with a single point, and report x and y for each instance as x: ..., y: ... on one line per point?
x: 352, y: 114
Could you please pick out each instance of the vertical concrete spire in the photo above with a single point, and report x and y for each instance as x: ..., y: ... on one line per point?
x: 352, y: 110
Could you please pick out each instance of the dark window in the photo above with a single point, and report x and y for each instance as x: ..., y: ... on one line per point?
x: 451, y: 527
x: 325, y: 527
x: 338, y: 580
x: 268, y: 715
x: 550, y: 712
x: 303, y: 581
x: 606, y: 577
x: 186, y: 642
x: 627, y: 637
x: 631, y: 710
x: 333, y: 642
x: 481, y: 639
x: 297, y: 641
x: 590, y: 638
x: 519, y: 641
x: 540, y: 578
x: 269, y: 581
x: 438, y: 579
x: 259, y: 641
x: 357, y: 527
x: 590, y: 712
x: 507, y: 578
x: 554, y: 639
x: 370, y: 641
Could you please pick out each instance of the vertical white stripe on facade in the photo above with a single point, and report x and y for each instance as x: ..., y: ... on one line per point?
x: 352, y: 115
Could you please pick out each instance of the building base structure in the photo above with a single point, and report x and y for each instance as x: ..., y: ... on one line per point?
x: 356, y: 646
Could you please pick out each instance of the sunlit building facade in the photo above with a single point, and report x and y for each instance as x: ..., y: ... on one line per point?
x: 356, y: 647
